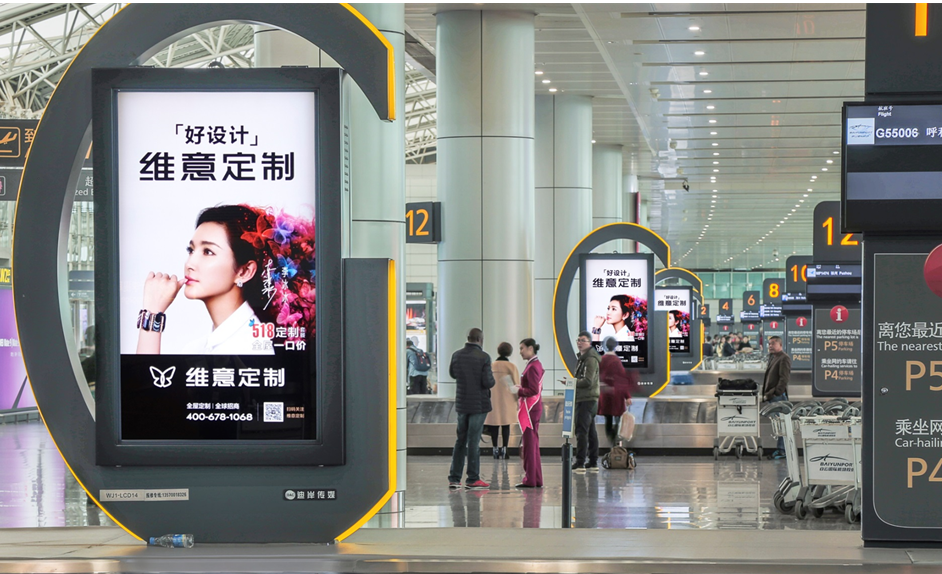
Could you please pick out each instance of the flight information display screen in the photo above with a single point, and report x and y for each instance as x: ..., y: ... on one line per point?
x: 892, y: 167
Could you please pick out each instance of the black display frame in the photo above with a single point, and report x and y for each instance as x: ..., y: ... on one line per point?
x: 647, y: 257
x: 328, y: 446
x: 906, y: 217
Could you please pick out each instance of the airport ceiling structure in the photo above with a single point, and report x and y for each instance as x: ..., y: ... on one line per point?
x: 742, y: 101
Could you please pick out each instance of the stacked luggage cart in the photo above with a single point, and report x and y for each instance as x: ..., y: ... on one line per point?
x: 831, y: 435
x: 737, y: 418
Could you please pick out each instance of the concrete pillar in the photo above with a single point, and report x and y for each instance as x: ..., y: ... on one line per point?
x: 630, y: 205
x: 374, y: 211
x: 485, y: 180
x: 563, y: 213
x: 607, y: 197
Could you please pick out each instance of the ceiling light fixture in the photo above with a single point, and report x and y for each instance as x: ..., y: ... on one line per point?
x: 716, y: 153
x: 806, y: 195
x: 711, y: 107
x: 716, y: 163
x: 714, y: 144
x: 824, y: 169
x: 704, y: 73
x: 552, y: 89
x: 712, y: 121
x: 538, y: 72
x: 699, y: 53
x: 716, y: 171
x: 836, y: 152
x: 593, y: 141
x: 694, y: 28
x: 546, y: 81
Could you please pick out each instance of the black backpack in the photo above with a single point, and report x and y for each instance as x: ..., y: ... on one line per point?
x: 422, y: 362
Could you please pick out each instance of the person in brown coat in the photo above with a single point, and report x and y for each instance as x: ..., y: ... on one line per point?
x: 503, y: 402
x: 614, y: 389
x: 775, y: 384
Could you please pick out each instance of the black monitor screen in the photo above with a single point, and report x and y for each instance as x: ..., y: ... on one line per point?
x: 892, y: 167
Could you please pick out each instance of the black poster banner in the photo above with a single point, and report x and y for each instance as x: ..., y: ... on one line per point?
x: 837, y: 351
x: 799, y: 337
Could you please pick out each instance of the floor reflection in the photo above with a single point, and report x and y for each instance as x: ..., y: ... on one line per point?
x: 36, y: 488
x: 678, y: 492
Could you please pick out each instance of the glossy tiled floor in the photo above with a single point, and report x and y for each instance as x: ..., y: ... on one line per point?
x: 677, y: 492
x: 673, y: 492
x: 36, y: 488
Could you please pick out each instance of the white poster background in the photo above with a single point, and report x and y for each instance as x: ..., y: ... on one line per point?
x: 156, y: 219
x: 598, y: 298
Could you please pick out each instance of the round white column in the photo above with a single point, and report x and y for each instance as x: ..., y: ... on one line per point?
x: 630, y: 205
x: 563, y: 213
x: 485, y: 180
x: 607, y: 198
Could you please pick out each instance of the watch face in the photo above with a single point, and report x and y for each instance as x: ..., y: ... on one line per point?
x: 158, y: 322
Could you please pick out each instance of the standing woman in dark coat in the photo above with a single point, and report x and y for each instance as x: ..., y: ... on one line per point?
x: 529, y: 412
x: 615, y: 384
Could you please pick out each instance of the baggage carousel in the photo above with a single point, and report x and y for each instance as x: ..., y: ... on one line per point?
x: 680, y: 418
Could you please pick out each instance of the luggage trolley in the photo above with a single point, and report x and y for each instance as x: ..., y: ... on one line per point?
x: 737, y: 418
x: 832, y: 474
x: 784, y: 418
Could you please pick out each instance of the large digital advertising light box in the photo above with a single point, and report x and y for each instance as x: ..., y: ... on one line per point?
x: 212, y: 206
x: 616, y: 290
x: 677, y: 303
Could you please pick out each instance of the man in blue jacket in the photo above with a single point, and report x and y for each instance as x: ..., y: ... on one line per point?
x: 471, y: 369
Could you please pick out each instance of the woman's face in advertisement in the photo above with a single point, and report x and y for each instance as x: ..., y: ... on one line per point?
x: 671, y: 321
x: 614, y: 314
x: 210, y: 269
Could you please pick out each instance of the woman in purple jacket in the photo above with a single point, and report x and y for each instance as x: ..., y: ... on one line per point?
x: 529, y: 411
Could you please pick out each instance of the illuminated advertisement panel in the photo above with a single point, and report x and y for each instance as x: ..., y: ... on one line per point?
x: 616, y: 291
x: 676, y: 302
x: 211, y: 201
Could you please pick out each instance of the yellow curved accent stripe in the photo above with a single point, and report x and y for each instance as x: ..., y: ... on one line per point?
x: 566, y: 262
x: 667, y: 382
x: 699, y: 281
x: 390, y: 60
x: 701, y: 347
x: 18, y: 191
x: 393, y: 368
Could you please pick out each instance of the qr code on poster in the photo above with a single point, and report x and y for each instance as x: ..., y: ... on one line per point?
x: 274, y: 412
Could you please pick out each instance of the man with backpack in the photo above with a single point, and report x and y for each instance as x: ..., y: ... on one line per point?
x: 419, y: 366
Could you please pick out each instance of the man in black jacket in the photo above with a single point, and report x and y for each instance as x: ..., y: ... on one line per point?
x: 775, y: 385
x: 471, y: 369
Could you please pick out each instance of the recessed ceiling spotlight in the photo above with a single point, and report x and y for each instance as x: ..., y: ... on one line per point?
x: 714, y: 197
x: 814, y: 177
x: 830, y: 161
x: 593, y: 141
x: 824, y: 169
x: 801, y: 201
x: 711, y: 107
x: 716, y: 171
x: 704, y: 73
x: 552, y: 89
x: 712, y: 121
x: 707, y: 91
x: 836, y: 152
x: 694, y: 28
x: 699, y: 53
x: 713, y: 200
x: 538, y: 72
x: 716, y: 163
x: 714, y: 144
x: 716, y: 153
x: 806, y: 195
x: 546, y: 81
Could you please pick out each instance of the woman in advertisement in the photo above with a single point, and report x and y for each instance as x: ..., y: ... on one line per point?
x: 529, y: 412
x: 618, y: 321
x: 250, y: 267
x: 675, y: 319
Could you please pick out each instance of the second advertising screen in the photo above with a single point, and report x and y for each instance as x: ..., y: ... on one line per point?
x: 676, y: 302
x: 616, y: 291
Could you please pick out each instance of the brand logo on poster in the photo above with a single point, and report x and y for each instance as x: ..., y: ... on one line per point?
x: 839, y: 314
x: 860, y: 131
x: 162, y: 379
x: 304, y: 494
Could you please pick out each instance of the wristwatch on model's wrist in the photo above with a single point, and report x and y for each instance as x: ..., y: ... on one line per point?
x: 148, y: 321
x: 596, y: 330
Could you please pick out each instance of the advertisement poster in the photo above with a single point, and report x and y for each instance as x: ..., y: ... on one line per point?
x: 676, y: 302
x: 15, y: 392
x: 837, y: 368
x: 216, y: 195
x: 615, y: 295
x: 415, y: 324
x: 799, y: 336
x: 906, y: 433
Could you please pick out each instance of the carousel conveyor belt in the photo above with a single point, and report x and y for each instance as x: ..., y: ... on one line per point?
x: 679, y: 417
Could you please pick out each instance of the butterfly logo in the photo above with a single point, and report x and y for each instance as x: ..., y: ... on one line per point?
x: 162, y: 379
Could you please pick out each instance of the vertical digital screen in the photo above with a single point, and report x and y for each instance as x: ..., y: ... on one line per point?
x: 15, y: 392
x: 215, y: 210
x: 677, y: 304
x: 616, y: 291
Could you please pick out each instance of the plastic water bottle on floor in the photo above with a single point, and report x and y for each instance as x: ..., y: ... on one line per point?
x: 173, y: 541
